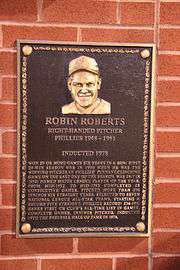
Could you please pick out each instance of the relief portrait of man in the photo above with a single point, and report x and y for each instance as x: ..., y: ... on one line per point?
x: 84, y: 83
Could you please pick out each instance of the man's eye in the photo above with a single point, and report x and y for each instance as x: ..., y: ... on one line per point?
x: 77, y: 84
x: 90, y: 84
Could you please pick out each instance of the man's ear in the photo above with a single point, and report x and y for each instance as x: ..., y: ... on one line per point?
x: 69, y: 83
x: 99, y: 83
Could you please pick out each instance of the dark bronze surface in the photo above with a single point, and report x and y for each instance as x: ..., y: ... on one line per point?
x: 84, y: 169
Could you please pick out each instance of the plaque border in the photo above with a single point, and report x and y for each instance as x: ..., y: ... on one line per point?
x: 151, y: 141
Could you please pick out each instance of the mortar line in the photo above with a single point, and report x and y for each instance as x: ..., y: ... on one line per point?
x: 70, y: 256
x: 138, y: 1
x: 167, y: 180
x: 165, y: 103
x: 167, y: 155
x: 38, y: 264
x: 166, y: 255
x: 177, y: 1
x: 114, y: 263
x: 78, y: 34
x: 75, y: 25
x: 168, y: 78
x: 39, y: 10
x: 168, y: 129
x: 10, y: 50
x: 8, y: 155
x: 1, y: 202
x: 9, y: 129
x: 1, y: 146
x: 92, y: 255
x: 75, y: 245
x: 169, y: 26
x: 3, y: 232
x: 7, y: 207
x: 118, y: 12
x: 168, y: 230
x: 1, y: 36
x: 169, y: 52
x: 7, y: 182
x: 9, y: 77
x: 8, y: 102
x: 166, y: 205
x: 1, y: 89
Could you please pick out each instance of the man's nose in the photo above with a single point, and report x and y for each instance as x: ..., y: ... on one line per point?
x: 84, y: 88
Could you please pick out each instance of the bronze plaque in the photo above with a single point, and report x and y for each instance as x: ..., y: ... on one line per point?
x: 84, y: 139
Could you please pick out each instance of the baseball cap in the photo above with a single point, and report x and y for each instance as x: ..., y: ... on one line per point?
x: 83, y: 63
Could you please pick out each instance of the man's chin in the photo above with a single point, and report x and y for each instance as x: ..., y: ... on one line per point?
x: 85, y: 103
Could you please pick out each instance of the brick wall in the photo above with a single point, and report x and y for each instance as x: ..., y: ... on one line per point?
x: 102, y: 21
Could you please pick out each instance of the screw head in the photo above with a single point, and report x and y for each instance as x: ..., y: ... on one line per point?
x: 27, y: 50
x: 140, y: 226
x: 145, y: 53
x: 26, y: 228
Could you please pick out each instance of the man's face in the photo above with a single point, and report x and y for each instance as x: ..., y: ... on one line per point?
x: 84, y: 87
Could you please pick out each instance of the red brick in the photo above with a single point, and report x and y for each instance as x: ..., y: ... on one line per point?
x: 168, y: 142
x: 7, y: 63
x: 113, y: 245
x: 166, y: 218
x: 77, y: 264
x: 7, y: 220
x: 168, y: 91
x: 7, y: 168
x: 135, y: 263
x: 169, y: 13
x: 8, y: 194
x: 21, y: 11
x: 117, y: 35
x: 166, y: 242
x: 8, y: 115
x: 166, y: 263
x: 8, y: 89
x: 12, y: 264
x: 169, y: 65
x: 168, y: 167
x: 9, y: 142
x: 168, y: 116
x: 16, y: 246
x: 137, y: 13
x: 170, y: 39
x: 167, y: 193
x: 78, y: 11
x: 13, y: 32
